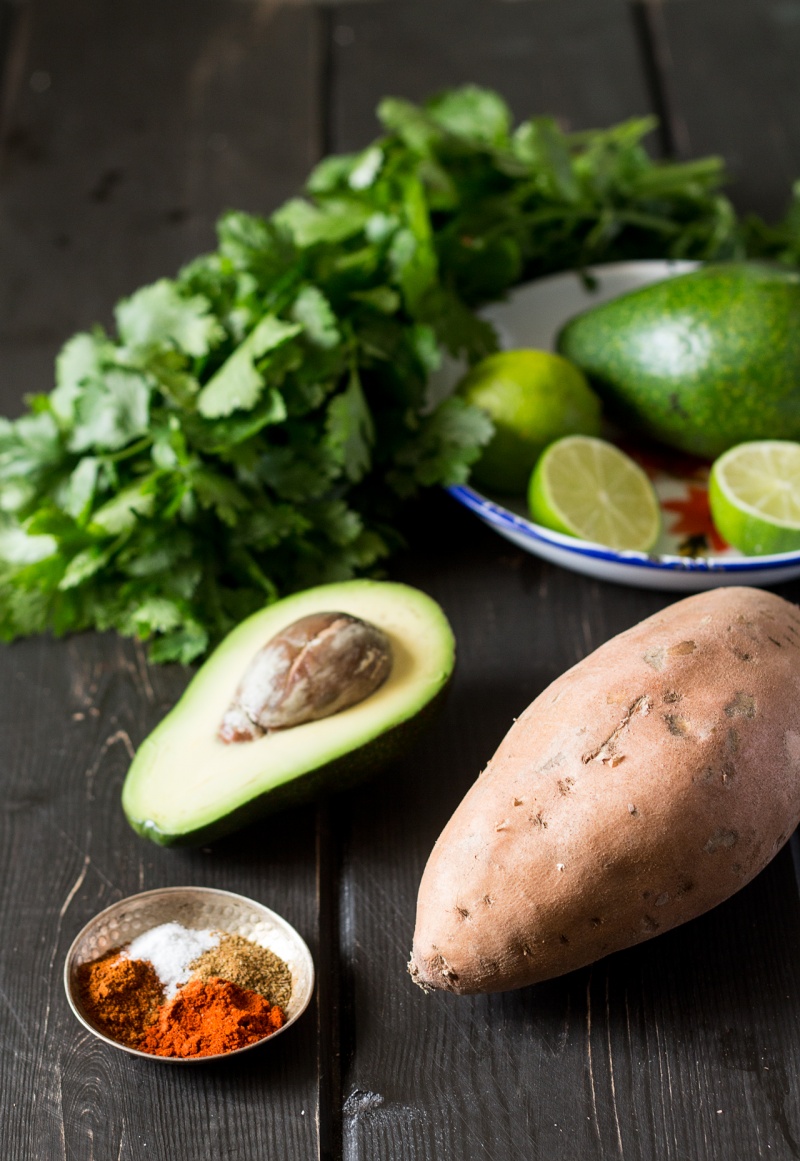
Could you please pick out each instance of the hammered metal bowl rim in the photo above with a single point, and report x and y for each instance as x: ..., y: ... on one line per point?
x: 299, y: 944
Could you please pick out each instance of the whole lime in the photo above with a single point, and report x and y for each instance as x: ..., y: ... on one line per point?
x: 533, y: 398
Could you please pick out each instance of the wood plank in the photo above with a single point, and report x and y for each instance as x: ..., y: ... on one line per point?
x: 634, y: 1057
x: 631, y: 1058
x: 731, y: 83
x: 67, y: 852
x: 577, y: 60
x: 128, y: 128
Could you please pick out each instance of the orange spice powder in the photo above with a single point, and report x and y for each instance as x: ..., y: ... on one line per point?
x: 120, y: 996
x: 210, y: 1017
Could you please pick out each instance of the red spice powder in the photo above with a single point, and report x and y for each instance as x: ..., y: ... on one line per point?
x: 121, y: 996
x: 210, y: 1017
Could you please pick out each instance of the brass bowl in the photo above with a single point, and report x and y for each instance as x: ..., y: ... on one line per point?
x: 193, y: 907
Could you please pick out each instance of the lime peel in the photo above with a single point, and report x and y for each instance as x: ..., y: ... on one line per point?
x: 533, y: 397
x: 586, y: 487
x: 754, y: 495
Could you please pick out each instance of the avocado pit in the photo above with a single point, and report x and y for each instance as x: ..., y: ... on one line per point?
x: 315, y: 667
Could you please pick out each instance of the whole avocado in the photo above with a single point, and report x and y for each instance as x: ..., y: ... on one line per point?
x: 702, y: 361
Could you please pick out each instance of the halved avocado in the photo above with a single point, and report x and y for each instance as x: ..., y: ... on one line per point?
x: 186, y: 786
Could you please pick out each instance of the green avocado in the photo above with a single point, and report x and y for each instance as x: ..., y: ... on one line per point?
x: 702, y: 361
x: 187, y: 787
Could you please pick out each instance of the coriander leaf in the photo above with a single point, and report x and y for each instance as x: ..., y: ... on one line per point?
x: 48, y: 520
x: 168, y: 370
x: 183, y: 645
x: 17, y: 546
x: 331, y: 173
x: 380, y: 227
x: 29, y: 446
x: 301, y: 471
x: 381, y: 298
x: 416, y: 130
x: 84, y: 565
x: 160, y: 314
x: 246, y: 238
x: 220, y: 436
x: 414, y: 266
x: 150, y: 554
x: 448, y: 443
x: 350, y: 432
x: 457, y: 328
x: 216, y: 491
x: 153, y: 615
x: 543, y: 148
x: 426, y: 348
x: 313, y: 311
x: 269, y: 525
x: 238, y: 384
x: 341, y: 524
x: 121, y: 512
x: 263, y: 256
x: 366, y: 168
x: 17, y: 494
x: 81, y: 487
x: 473, y: 113
x: 412, y: 253
x: 24, y: 606
x: 111, y: 411
x: 332, y: 220
x: 82, y: 357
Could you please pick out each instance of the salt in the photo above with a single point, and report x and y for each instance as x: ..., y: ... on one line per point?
x: 171, y: 949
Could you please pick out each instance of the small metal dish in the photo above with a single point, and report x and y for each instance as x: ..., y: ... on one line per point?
x: 194, y: 907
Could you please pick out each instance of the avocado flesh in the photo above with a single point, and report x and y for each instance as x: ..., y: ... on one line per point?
x: 186, y: 786
x: 700, y: 362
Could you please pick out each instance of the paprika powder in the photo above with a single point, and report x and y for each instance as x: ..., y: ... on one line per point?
x: 208, y: 1017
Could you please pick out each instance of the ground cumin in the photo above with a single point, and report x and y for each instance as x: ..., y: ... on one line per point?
x: 210, y: 1017
x: 249, y: 965
x: 120, y: 996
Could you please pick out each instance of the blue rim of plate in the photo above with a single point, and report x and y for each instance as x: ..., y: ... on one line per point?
x: 501, y: 518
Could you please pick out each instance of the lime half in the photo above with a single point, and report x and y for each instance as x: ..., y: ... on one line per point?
x: 754, y: 492
x: 589, y: 488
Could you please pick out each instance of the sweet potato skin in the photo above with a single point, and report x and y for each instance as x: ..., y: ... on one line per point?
x: 643, y: 787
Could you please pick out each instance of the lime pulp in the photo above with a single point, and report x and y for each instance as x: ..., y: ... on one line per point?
x: 754, y: 494
x: 588, y: 488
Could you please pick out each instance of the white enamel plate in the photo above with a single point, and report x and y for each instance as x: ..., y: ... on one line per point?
x: 689, y: 554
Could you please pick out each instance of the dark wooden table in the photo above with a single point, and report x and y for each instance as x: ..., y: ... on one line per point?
x: 125, y: 128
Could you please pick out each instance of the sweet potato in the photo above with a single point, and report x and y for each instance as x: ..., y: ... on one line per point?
x: 643, y: 787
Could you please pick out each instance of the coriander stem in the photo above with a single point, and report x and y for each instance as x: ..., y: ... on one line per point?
x: 125, y: 453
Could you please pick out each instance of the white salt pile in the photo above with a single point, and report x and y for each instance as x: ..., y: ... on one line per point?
x: 171, y: 949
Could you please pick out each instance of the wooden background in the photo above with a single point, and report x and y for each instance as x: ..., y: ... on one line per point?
x: 125, y: 128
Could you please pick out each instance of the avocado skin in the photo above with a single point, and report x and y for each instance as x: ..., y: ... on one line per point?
x: 700, y: 362
x: 333, y: 777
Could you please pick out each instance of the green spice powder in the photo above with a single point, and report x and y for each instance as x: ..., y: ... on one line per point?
x: 242, y: 962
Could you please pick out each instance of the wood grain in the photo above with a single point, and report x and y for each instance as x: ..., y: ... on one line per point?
x: 127, y: 129
x: 124, y: 130
x: 633, y: 1057
x: 576, y: 60
x: 730, y: 75
x: 67, y: 852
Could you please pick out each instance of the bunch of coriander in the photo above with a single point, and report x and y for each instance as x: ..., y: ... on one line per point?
x: 252, y: 425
